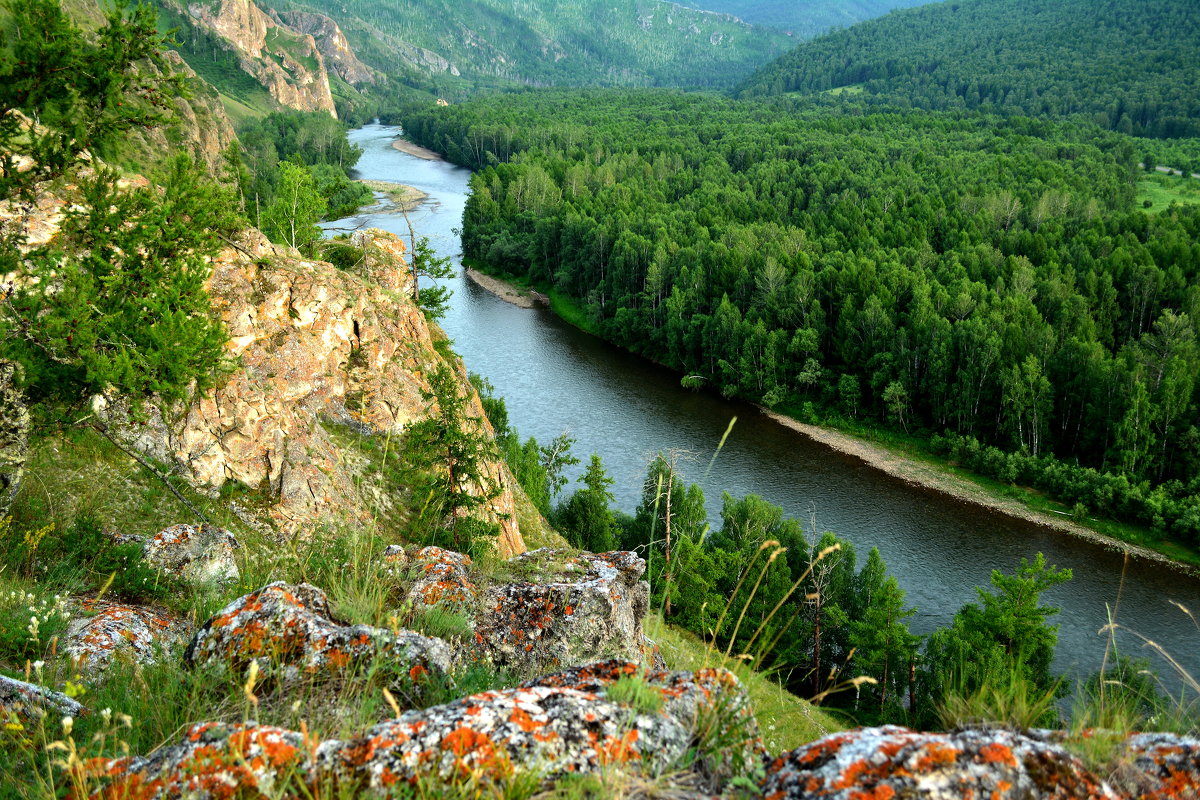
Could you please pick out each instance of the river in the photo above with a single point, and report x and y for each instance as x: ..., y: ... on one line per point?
x: 555, y: 378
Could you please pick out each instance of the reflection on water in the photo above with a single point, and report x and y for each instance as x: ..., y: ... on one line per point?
x: 556, y: 379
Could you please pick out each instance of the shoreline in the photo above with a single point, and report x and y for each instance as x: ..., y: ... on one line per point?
x: 504, y: 290
x: 405, y: 146
x: 402, y: 197
x: 924, y: 476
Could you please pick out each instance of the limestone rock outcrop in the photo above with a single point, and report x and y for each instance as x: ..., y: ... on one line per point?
x: 319, y: 349
x: 568, y: 609
x: 548, y: 730
x: 895, y: 762
x: 107, y: 630
x: 334, y: 47
x: 290, y: 631
x: 321, y: 352
x: 287, y: 63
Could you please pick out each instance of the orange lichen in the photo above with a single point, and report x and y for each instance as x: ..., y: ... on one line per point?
x: 618, y: 749
x: 523, y: 721
x: 937, y: 754
x: 996, y: 753
x: 465, y: 741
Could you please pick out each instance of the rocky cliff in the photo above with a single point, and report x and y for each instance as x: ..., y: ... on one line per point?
x: 201, y: 126
x: 339, y: 58
x: 287, y: 63
x: 326, y: 358
x: 323, y: 355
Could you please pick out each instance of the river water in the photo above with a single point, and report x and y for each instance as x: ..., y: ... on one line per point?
x: 555, y: 378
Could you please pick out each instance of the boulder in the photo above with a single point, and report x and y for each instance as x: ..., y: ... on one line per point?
x: 291, y: 631
x: 201, y: 556
x: 550, y: 730
x: 442, y: 579
x: 108, y: 630
x: 570, y: 609
x: 213, y: 760
x: 1160, y: 765
x: 896, y: 762
x: 27, y: 701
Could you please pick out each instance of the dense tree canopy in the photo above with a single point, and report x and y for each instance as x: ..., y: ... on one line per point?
x: 943, y: 272
x: 1128, y: 66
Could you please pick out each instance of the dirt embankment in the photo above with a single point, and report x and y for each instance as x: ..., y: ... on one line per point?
x: 933, y: 479
x: 405, y: 146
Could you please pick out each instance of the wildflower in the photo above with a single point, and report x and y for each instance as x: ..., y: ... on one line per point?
x: 68, y: 723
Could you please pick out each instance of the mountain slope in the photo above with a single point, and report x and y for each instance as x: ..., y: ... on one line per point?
x: 562, y: 42
x: 1129, y: 65
x: 803, y: 18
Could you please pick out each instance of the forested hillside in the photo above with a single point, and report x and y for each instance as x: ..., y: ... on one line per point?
x: 803, y: 18
x: 1131, y: 67
x: 563, y: 43
x: 963, y: 275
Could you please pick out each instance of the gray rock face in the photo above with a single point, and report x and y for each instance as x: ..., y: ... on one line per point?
x: 895, y: 762
x: 573, y: 609
x: 199, y: 555
x: 290, y: 630
x: 551, y: 729
x: 14, y: 433
x: 108, y: 630
x: 28, y: 701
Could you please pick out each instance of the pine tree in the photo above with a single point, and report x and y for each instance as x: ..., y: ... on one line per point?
x: 447, y: 455
x: 586, y: 517
x: 118, y: 300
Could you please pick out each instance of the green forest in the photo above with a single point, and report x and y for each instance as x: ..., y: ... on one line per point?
x: 1131, y: 67
x: 984, y: 282
x: 806, y: 18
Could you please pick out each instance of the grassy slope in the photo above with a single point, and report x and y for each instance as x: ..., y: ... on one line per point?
x: 786, y: 721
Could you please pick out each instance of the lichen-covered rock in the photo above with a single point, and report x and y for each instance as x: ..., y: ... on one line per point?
x: 28, y: 701
x: 107, y: 630
x: 214, y: 760
x: 14, y: 433
x: 442, y: 579
x: 201, y: 555
x: 895, y: 762
x: 573, y: 609
x: 548, y: 730
x: 1162, y: 766
x: 554, y: 731
x: 685, y: 695
x: 291, y: 629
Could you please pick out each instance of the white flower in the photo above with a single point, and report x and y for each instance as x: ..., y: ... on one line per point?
x: 68, y: 722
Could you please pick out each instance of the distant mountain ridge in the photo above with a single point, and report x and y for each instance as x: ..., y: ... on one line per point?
x: 1129, y: 65
x: 804, y: 18
x: 559, y: 42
